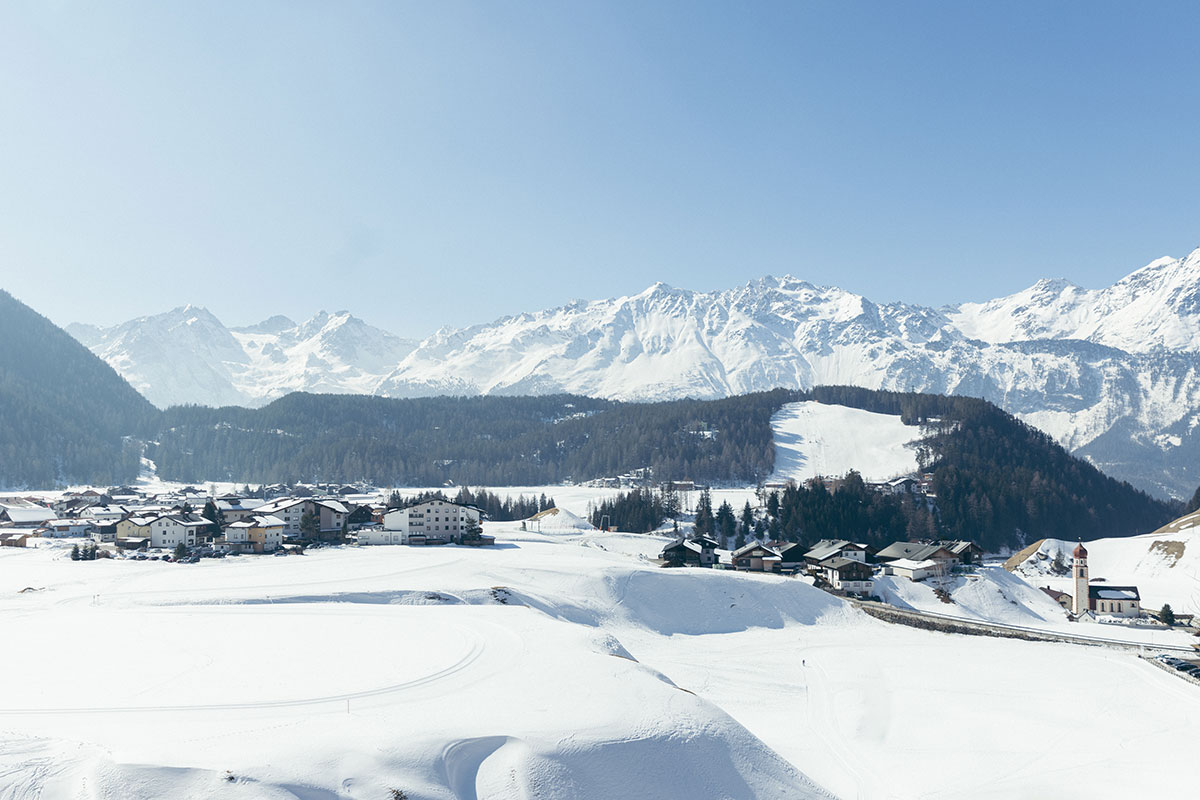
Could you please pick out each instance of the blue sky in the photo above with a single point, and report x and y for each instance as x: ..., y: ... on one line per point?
x: 437, y: 163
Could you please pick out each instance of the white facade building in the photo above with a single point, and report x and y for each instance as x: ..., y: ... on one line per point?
x: 913, y: 570
x: 170, y: 530
x: 428, y: 521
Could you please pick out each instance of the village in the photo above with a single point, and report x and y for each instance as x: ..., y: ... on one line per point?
x: 190, y: 525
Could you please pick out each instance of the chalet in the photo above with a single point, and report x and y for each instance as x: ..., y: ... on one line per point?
x: 832, y: 548
x: 791, y: 557
x: 429, y: 522
x: 965, y: 552
x: 57, y: 528
x: 288, y: 509
x: 137, y: 527
x: 918, y: 551
x: 330, y: 514
x: 847, y: 575
x: 1062, y: 598
x: 104, y: 534
x: 258, y: 534
x: 104, y: 515
x: 15, y: 539
x: 756, y: 557
x: 913, y: 570
x: 699, y: 551
x: 236, y: 509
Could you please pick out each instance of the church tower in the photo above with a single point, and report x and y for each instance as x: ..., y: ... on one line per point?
x: 1079, y: 569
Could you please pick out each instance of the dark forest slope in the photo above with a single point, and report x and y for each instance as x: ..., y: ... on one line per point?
x: 63, y: 411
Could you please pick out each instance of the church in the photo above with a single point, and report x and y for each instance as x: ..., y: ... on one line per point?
x: 1094, y: 599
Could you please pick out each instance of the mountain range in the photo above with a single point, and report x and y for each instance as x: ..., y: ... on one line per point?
x: 1110, y: 373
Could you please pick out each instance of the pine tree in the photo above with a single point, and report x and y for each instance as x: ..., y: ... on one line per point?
x: 215, y: 515
x: 726, y: 522
x: 74, y: 552
x: 1166, y: 615
x: 704, y: 514
x: 181, y: 551
x: 310, y: 526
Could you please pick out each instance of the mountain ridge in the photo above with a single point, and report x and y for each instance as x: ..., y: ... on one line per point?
x: 1080, y: 364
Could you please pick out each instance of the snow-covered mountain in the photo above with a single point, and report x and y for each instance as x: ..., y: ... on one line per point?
x: 1111, y: 373
x: 187, y: 356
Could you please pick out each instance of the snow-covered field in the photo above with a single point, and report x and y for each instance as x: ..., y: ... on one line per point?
x: 552, y: 666
x: 816, y: 439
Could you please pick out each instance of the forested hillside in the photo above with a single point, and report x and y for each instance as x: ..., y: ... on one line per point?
x: 492, y: 441
x: 996, y: 481
x: 63, y: 411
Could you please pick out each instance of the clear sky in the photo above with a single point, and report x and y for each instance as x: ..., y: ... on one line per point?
x: 438, y: 163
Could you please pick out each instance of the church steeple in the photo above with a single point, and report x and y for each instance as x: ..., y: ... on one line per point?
x: 1079, y: 570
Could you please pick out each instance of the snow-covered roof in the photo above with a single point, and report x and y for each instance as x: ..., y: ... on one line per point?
x: 827, y: 549
x: 241, y: 504
x: 34, y: 514
x: 1113, y: 593
x: 333, y: 505
x: 279, y: 504
x: 908, y: 563
x: 840, y: 563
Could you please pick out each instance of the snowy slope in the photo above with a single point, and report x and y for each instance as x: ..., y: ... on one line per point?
x: 815, y: 439
x: 445, y: 672
x: 511, y: 672
x: 1110, y: 373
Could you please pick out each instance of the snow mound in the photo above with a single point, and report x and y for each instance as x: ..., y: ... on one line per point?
x: 991, y: 595
x: 558, y: 520
x: 817, y: 439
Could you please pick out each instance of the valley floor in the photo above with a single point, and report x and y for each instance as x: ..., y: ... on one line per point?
x: 552, y: 666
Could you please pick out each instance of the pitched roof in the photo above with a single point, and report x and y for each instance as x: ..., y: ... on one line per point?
x: 827, y: 548
x: 259, y: 521
x: 29, y: 514
x: 1055, y: 593
x: 908, y: 563
x: 916, y: 551
x: 1106, y: 592
x: 741, y: 551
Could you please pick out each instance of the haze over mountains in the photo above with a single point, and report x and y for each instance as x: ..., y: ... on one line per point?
x: 1110, y: 373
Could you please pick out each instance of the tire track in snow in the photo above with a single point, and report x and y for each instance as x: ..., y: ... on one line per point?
x: 475, y: 652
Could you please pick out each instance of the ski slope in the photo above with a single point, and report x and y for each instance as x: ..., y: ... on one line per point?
x: 817, y: 439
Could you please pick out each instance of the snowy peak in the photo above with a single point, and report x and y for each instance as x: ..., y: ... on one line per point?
x: 1154, y: 308
x: 275, y: 324
x: 187, y: 355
